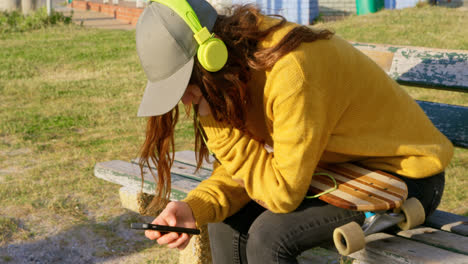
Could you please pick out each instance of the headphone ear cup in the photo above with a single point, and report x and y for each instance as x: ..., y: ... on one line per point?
x: 212, y: 54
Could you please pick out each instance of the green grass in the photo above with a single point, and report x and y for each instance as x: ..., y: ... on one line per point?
x: 17, y: 22
x: 10, y: 228
x: 69, y: 97
x: 425, y: 26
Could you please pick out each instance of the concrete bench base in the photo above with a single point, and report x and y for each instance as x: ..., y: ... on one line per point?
x: 198, y: 250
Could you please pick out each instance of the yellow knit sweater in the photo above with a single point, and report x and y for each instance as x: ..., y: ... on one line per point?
x: 323, y: 102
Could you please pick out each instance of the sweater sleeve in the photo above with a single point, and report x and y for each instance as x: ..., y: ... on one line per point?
x: 278, y: 180
x: 216, y: 198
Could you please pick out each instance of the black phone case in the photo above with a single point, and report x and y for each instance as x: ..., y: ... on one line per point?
x: 165, y: 229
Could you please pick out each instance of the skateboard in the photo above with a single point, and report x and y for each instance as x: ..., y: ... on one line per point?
x: 380, y: 195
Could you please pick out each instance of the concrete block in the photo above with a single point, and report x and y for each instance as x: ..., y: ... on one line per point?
x: 198, y: 250
x: 128, y: 198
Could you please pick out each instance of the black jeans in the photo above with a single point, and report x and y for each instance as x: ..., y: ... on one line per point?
x: 429, y: 191
x: 255, y: 235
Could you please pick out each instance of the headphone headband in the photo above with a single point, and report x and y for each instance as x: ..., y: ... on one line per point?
x: 185, y: 11
x: 212, y: 52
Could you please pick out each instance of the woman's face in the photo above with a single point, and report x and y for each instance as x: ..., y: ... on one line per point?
x: 192, y: 95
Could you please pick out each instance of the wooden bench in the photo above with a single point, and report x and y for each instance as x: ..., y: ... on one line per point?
x: 414, y: 66
x: 444, y: 236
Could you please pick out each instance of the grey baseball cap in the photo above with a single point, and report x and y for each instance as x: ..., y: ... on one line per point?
x: 166, y: 47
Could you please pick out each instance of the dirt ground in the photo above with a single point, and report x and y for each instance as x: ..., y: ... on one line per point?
x: 110, y: 243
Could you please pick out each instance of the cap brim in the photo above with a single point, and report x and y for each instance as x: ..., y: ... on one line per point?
x: 162, y: 96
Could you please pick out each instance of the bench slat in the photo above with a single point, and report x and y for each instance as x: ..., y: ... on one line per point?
x: 188, y: 156
x: 440, y: 69
x: 320, y: 255
x: 187, y: 170
x: 128, y: 174
x: 437, y: 238
x: 386, y: 248
x: 448, y: 222
x: 451, y: 120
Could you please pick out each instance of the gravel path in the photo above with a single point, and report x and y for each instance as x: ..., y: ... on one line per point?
x: 110, y: 243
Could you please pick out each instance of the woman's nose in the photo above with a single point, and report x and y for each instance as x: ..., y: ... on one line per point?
x: 187, y: 98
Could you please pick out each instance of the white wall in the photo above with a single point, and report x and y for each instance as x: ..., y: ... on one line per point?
x: 10, y: 5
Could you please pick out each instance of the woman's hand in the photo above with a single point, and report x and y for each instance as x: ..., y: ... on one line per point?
x: 175, y: 214
x: 194, y: 96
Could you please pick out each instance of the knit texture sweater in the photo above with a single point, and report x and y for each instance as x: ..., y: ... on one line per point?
x: 324, y: 102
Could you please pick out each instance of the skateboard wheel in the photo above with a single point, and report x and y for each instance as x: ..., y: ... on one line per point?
x: 348, y: 238
x: 414, y: 214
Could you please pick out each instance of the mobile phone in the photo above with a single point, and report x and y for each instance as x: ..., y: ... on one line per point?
x: 164, y: 228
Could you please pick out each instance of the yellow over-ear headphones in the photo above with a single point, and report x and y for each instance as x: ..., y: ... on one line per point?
x: 212, y: 52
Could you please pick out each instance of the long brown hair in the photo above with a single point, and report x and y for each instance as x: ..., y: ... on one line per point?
x: 225, y: 90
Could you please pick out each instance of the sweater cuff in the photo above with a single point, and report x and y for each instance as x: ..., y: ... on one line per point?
x: 202, y: 211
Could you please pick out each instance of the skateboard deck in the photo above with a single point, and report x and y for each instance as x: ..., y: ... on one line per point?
x: 358, y: 188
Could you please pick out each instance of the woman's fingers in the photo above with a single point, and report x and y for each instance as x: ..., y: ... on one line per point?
x: 151, y: 234
x: 184, y: 245
x: 173, y: 240
x: 162, y: 219
x: 171, y: 220
x: 175, y: 213
x: 168, y: 238
x: 180, y: 240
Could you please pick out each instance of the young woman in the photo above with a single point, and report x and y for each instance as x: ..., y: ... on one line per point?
x: 288, y: 98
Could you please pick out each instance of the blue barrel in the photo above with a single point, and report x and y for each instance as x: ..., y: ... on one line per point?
x: 298, y: 11
x: 390, y: 4
x: 400, y: 4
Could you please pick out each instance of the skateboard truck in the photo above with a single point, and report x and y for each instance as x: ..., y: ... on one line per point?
x: 381, y: 221
x: 350, y: 238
